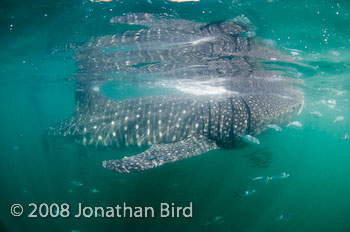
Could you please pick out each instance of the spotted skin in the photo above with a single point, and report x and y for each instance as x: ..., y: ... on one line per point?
x: 173, y: 128
x: 175, y: 48
x: 176, y: 127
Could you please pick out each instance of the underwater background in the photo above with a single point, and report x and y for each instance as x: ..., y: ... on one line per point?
x: 37, y: 40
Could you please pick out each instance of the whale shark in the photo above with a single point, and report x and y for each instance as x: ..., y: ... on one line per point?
x: 172, y: 127
x: 177, y: 126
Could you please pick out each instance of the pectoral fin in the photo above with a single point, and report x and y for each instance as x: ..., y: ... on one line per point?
x: 160, y: 154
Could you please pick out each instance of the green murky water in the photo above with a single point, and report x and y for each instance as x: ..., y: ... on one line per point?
x: 36, y: 62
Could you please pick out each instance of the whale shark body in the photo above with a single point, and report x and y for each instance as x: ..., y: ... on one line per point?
x: 175, y: 127
x: 176, y: 48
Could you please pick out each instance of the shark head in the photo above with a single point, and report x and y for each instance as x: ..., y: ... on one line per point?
x: 233, y: 117
x: 271, y: 109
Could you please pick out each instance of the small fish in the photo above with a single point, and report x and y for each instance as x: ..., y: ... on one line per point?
x: 283, y: 217
x: 259, y: 178
x: 337, y: 119
x: 274, y: 127
x: 76, y: 183
x: 250, y: 139
x: 217, y: 219
x: 295, y: 123
x: 15, y: 148
x: 330, y: 103
x: 245, y: 193
x: 347, y: 136
x: 249, y: 192
x: 94, y: 191
x: 282, y: 175
x: 315, y: 113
